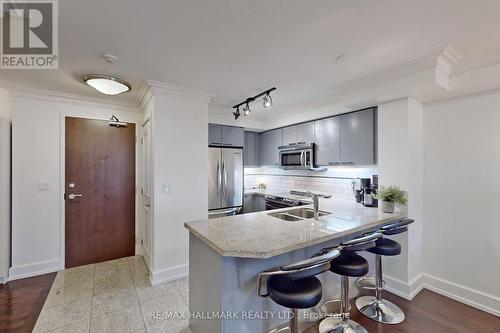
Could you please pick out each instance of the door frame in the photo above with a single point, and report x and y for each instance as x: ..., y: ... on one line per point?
x: 62, y: 178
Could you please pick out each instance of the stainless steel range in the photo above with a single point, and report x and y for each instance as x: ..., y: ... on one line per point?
x: 277, y: 202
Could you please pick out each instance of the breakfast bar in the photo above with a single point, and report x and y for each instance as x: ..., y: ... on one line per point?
x: 227, y: 254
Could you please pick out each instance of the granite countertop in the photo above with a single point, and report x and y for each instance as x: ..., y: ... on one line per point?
x: 258, y: 235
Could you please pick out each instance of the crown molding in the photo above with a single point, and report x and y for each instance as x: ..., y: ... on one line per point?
x: 165, y: 88
x: 149, y: 88
x: 65, y: 97
x: 446, y: 61
x: 477, y: 61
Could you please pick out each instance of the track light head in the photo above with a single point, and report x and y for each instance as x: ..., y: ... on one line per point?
x: 237, y: 113
x: 246, y: 110
x: 267, y: 101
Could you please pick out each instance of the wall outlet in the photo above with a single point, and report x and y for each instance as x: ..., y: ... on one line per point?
x: 42, y: 187
x: 168, y: 188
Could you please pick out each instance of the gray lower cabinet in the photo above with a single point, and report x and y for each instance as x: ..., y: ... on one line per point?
x: 251, y: 149
x: 299, y: 133
x: 268, y: 147
x: 357, y: 138
x: 259, y: 203
x: 248, y: 204
x: 253, y: 203
x: 225, y: 135
x: 327, y: 132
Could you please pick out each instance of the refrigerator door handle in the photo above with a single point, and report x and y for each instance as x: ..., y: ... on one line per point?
x: 225, y: 178
x: 218, y: 180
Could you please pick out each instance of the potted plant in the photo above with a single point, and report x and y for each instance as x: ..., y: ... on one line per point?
x: 390, y: 196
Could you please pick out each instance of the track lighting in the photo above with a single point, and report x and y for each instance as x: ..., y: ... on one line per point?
x: 267, y: 102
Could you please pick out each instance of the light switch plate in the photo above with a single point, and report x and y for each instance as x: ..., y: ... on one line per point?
x: 42, y: 187
x: 168, y: 188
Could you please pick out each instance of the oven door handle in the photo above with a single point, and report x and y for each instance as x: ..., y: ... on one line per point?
x: 302, y: 160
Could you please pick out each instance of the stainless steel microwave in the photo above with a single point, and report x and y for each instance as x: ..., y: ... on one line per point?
x: 297, y: 156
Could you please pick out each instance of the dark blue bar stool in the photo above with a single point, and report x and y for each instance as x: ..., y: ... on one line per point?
x: 349, y: 263
x: 375, y: 307
x: 295, y: 286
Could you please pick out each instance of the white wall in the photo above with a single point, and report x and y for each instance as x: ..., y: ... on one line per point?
x: 4, y: 186
x: 180, y: 159
x: 461, y: 198
x: 37, y: 145
x: 400, y: 146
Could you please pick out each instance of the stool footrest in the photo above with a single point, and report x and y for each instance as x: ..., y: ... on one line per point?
x: 368, y: 282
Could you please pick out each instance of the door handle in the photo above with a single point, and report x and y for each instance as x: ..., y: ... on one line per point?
x: 72, y: 196
x: 302, y: 163
x: 218, y: 180
x: 225, y: 179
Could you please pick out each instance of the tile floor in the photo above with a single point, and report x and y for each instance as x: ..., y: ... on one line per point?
x: 113, y: 296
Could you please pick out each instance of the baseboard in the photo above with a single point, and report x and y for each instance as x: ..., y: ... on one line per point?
x: 474, y: 298
x: 169, y: 274
x: 397, y: 287
x: 38, y: 268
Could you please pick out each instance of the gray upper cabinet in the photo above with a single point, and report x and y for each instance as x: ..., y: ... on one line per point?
x: 251, y: 149
x: 289, y: 135
x: 299, y: 133
x: 233, y: 136
x: 214, y: 134
x: 327, y: 141
x: 268, y: 146
x: 357, y: 141
x: 225, y: 135
x: 305, y: 132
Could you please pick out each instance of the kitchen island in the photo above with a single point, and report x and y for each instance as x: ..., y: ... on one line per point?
x: 227, y: 254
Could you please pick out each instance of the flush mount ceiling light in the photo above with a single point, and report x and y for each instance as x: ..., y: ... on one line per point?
x: 105, y: 83
x: 267, y: 102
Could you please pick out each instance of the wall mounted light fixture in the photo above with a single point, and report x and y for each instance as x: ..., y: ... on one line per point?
x: 267, y: 102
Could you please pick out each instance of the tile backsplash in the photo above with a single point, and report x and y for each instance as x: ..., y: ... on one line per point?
x: 335, y: 181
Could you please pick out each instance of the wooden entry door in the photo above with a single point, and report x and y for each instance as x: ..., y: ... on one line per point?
x: 99, y: 191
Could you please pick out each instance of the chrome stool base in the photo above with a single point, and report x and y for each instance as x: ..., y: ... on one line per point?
x: 381, y: 310
x: 336, y: 325
x: 331, y: 308
x: 286, y: 329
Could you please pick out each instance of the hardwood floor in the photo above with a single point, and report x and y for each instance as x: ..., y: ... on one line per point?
x: 21, y: 302
x: 430, y: 312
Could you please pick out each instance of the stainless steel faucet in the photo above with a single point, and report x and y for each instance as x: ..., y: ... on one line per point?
x: 315, y: 197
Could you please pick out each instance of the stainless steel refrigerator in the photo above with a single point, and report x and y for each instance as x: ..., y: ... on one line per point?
x: 225, y: 181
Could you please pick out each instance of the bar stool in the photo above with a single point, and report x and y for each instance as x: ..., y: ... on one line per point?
x: 349, y: 263
x: 375, y: 307
x: 295, y: 286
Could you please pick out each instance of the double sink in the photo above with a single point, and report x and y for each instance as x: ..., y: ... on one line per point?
x: 297, y: 214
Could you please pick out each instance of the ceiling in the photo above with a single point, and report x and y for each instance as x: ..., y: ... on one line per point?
x: 236, y: 48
